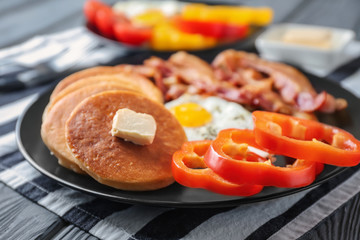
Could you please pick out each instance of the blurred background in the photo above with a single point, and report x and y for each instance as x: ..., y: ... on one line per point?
x: 22, y: 19
x: 51, y: 28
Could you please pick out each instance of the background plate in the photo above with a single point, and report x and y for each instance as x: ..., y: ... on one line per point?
x: 34, y: 150
x: 248, y: 42
x: 245, y: 43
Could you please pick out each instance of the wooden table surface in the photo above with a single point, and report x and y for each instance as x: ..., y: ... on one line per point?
x: 21, y: 20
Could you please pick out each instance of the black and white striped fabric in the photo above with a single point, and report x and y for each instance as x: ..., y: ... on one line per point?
x: 289, y: 217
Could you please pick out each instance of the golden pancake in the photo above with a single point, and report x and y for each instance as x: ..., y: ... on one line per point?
x: 93, y: 80
x: 53, y: 126
x: 96, y: 80
x: 88, y: 81
x: 100, y: 70
x: 115, y: 162
x: 129, y: 80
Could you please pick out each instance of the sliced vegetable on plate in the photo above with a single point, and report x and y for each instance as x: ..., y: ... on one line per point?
x: 306, y: 139
x: 213, y: 29
x: 237, y: 157
x: 189, y: 169
x: 172, y: 25
x: 167, y: 37
x: 247, y: 157
x: 90, y: 9
x: 130, y: 34
x: 260, y: 16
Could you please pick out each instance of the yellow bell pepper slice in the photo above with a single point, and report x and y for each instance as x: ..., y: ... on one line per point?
x: 149, y: 18
x: 167, y: 37
x: 228, y: 14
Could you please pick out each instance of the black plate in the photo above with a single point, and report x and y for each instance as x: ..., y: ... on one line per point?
x: 34, y: 150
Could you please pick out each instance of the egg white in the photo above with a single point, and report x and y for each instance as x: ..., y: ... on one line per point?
x: 225, y: 115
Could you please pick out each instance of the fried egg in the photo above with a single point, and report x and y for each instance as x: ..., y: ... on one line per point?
x: 204, y: 117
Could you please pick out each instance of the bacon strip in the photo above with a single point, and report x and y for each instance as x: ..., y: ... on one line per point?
x: 291, y: 84
x: 240, y: 77
x: 200, y: 77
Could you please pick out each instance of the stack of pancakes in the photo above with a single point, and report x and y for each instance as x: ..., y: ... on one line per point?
x: 77, y: 123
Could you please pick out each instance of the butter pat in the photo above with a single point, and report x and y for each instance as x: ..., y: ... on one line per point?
x: 310, y: 37
x: 138, y: 128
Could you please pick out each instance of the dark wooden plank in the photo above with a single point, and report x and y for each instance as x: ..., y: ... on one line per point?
x: 344, y: 223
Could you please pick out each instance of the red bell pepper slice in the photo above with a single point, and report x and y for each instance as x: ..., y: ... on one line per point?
x: 189, y: 169
x: 225, y: 158
x: 319, y: 168
x: 212, y: 29
x: 103, y: 17
x: 306, y: 139
x: 104, y: 21
x: 130, y: 34
x: 90, y: 9
x: 106, y: 18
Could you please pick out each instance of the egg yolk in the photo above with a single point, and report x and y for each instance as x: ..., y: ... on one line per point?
x: 191, y: 114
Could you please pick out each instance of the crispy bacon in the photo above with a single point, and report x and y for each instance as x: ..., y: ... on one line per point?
x: 239, y: 77
x: 187, y: 61
x: 149, y: 71
x: 246, y: 86
x: 188, y: 69
x: 287, y: 80
x: 175, y: 91
x: 291, y: 84
x: 193, y: 70
x: 162, y: 70
x: 258, y: 94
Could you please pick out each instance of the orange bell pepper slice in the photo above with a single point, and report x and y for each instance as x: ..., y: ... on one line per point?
x: 232, y: 156
x: 189, y: 169
x: 306, y: 139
